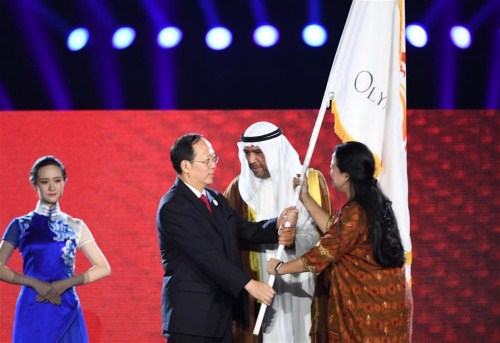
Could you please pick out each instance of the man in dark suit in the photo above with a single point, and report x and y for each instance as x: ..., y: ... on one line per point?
x: 199, y: 245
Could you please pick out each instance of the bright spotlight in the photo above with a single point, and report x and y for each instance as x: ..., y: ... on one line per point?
x: 123, y: 37
x: 266, y: 36
x: 169, y: 37
x: 416, y: 35
x: 461, y: 37
x: 77, y: 39
x: 218, y: 38
x: 314, y: 35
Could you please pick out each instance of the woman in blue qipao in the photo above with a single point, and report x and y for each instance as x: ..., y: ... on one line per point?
x: 48, y: 309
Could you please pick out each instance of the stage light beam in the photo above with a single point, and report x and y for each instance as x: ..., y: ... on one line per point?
x: 218, y: 38
x: 266, y: 36
x: 314, y: 35
x: 416, y: 35
x: 169, y: 37
x: 77, y: 39
x: 461, y: 37
x: 123, y: 38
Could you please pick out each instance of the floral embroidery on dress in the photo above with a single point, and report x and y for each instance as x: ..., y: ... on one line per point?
x: 61, y: 229
x: 324, y: 251
x: 24, y: 222
x: 69, y: 254
x: 311, y: 268
x: 63, y: 232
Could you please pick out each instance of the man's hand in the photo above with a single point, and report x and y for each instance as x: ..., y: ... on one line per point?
x: 288, y: 217
x: 286, y: 226
x: 260, y: 291
x: 287, y: 237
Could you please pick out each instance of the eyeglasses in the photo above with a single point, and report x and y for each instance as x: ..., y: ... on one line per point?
x: 212, y: 160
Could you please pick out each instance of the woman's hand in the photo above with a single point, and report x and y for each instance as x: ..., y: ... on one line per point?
x: 46, y: 292
x: 304, y: 191
x: 271, y: 266
x: 61, y: 285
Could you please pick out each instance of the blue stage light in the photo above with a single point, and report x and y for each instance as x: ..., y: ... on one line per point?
x: 218, y: 38
x: 169, y: 37
x: 266, y: 36
x: 416, y: 35
x: 461, y: 37
x: 314, y: 35
x: 123, y: 38
x: 77, y: 39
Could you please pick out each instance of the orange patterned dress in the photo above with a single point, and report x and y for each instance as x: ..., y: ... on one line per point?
x: 363, y: 301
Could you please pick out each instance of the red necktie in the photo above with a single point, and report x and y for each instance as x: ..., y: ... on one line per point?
x: 204, y: 199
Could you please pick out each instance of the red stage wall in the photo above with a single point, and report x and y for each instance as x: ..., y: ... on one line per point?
x: 118, y: 168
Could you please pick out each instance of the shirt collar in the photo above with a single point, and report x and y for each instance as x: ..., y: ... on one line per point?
x: 44, y: 210
x: 194, y: 190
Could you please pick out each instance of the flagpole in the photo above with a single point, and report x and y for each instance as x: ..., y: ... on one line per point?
x: 312, y: 144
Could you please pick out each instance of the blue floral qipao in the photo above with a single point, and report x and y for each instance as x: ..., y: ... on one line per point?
x: 48, y: 239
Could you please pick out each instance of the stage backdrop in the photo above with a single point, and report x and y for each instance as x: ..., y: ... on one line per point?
x: 118, y: 168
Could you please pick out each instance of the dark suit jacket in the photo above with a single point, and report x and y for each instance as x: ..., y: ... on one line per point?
x: 202, y: 261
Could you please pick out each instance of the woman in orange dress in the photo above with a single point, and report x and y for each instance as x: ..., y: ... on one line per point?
x: 361, y: 287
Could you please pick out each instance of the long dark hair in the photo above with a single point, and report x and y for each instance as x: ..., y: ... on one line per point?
x: 355, y: 159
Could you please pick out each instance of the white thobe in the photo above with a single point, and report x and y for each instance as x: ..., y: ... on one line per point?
x: 288, y: 319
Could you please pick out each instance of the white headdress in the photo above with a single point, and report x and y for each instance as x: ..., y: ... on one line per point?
x: 282, y: 162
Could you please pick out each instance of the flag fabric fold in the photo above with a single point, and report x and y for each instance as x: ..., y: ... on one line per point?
x: 368, y: 85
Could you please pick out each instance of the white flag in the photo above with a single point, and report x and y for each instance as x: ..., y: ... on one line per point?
x: 368, y: 85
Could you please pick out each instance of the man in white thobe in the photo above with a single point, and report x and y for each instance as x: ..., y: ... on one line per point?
x: 268, y: 165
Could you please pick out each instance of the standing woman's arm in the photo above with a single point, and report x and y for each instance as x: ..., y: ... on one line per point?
x: 44, y: 289
x: 318, y: 214
x: 100, y: 266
